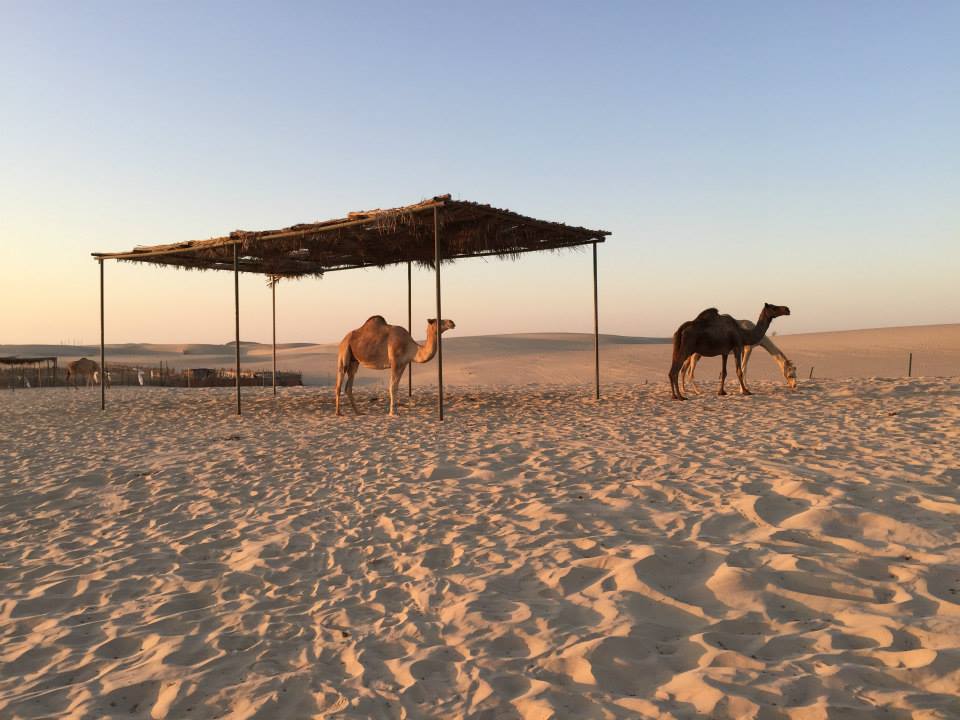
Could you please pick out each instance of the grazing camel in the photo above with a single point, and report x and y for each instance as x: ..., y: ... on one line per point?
x: 711, y: 334
x: 89, y: 370
x: 379, y: 346
x: 787, y: 367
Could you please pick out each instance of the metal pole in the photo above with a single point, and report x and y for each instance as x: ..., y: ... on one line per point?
x: 409, y: 324
x: 236, y: 308
x: 436, y: 265
x: 910, y: 366
x: 596, y: 327
x: 103, y: 354
x: 273, y: 293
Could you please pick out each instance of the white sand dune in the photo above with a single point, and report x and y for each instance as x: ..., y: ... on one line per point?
x: 786, y: 555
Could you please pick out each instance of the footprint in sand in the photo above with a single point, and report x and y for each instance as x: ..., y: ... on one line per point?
x: 509, y: 687
x: 635, y: 666
x: 438, y: 558
x: 235, y: 642
x: 193, y: 653
x: 134, y: 699
x: 846, y: 641
x: 943, y: 582
x: 184, y: 603
x: 775, y: 508
x: 444, y: 471
x: 120, y: 647
x: 29, y: 662
x: 509, y: 646
x: 580, y: 578
x: 682, y: 572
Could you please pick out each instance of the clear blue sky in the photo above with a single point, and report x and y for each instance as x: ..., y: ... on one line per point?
x: 805, y: 154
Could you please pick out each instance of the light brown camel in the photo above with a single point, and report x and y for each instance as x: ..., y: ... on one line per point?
x: 787, y: 368
x: 89, y: 370
x: 710, y: 334
x: 379, y: 346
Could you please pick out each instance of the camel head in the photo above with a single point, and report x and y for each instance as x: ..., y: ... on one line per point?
x: 775, y: 311
x: 444, y: 324
x: 790, y: 373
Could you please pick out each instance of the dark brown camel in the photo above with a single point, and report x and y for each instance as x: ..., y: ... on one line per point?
x: 712, y: 334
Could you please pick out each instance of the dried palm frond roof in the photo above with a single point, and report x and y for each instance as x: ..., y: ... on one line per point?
x: 372, y: 238
x: 14, y: 360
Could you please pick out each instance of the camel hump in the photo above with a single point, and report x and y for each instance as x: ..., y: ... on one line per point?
x: 708, y: 313
x: 376, y: 320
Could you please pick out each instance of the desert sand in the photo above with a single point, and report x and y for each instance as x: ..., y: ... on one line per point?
x: 564, y: 357
x: 538, y: 554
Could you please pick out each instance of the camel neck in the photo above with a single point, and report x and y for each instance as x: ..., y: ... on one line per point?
x: 429, y: 347
x: 781, y: 360
x: 755, y: 335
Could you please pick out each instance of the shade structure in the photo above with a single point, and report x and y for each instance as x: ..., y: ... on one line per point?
x: 14, y: 360
x: 371, y: 238
x: 47, y: 361
x: 427, y: 233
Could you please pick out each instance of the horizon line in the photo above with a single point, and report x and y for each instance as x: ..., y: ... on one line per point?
x: 664, y: 338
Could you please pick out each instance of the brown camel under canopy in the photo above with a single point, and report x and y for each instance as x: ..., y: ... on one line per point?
x: 428, y: 233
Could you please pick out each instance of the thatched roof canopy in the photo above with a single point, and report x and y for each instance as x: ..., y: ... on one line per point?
x: 13, y: 360
x: 373, y: 238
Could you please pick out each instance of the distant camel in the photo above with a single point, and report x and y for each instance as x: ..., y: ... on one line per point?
x: 89, y: 370
x: 788, y: 369
x: 379, y: 346
x: 711, y: 334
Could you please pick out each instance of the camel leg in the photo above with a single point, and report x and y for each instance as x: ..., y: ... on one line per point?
x: 737, y: 352
x: 747, y: 351
x: 340, y: 375
x: 674, y: 384
x: 687, y: 373
x: 396, y: 374
x: 694, y: 359
x: 351, y: 373
x: 723, y: 374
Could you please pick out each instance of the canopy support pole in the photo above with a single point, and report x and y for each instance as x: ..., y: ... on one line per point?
x: 236, y: 315
x: 596, y: 328
x: 103, y: 353
x: 409, y: 324
x: 436, y: 265
x: 273, y: 298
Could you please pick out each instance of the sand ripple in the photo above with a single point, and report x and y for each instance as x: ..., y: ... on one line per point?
x: 779, y: 556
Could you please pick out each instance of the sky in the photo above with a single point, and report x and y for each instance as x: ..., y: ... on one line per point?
x: 803, y: 154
